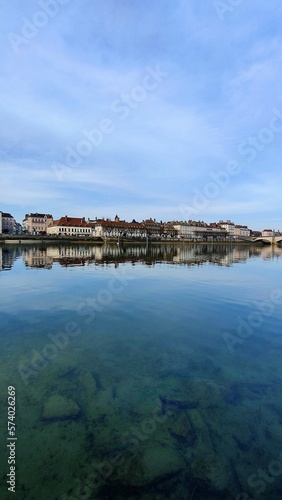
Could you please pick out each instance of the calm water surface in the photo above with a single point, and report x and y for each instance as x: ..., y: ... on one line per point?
x: 142, y: 373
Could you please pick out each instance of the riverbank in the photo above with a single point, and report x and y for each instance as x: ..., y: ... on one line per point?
x: 51, y: 240
x: 47, y: 240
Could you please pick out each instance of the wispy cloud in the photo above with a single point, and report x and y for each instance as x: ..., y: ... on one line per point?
x: 223, y: 81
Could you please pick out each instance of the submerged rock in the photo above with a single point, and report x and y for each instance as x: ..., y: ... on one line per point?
x: 233, y: 395
x: 181, y: 428
x: 174, y: 404
x: 156, y: 463
x: 207, y: 392
x: 60, y: 408
x: 68, y: 371
x: 243, y: 436
x: 212, y: 472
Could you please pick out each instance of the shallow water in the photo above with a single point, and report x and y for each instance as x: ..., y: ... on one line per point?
x: 142, y: 373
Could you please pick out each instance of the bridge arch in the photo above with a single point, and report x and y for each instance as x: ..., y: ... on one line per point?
x: 268, y: 240
x: 265, y: 241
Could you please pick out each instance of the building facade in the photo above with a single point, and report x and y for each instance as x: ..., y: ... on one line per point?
x: 199, y: 231
x: 268, y: 233
x: 8, y: 224
x: 37, y: 223
x: 242, y: 232
x: 168, y: 230
x: 159, y: 230
x: 117, y: 228
x: 228, y: 226
x: 70, y: 226
x: 153, y: 228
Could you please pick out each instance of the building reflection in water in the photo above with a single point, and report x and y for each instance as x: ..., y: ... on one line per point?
x: 37, y: 257
x: 81, y: 255
x: 8, y: 256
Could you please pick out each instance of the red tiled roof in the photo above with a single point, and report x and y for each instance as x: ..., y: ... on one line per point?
x: 122, y: 224
x: 71, y: 221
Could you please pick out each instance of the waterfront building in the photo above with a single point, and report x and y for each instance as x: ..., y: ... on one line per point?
x: 241, y: 231
x: 7, y: 223
x: 116, y: 228
x: 70, y: 226
x: 256, y: 234
x: 153, y: 228
x: 18, y: 228
x: 159, y: 230
x: 36, y: 223
x: 228, y: 226
x: 169, y: 230
x: 268, y: 233
x: 184, y: 230
x: 195, y: 231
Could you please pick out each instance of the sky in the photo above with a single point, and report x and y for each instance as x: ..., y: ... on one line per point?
x: 163, y: 109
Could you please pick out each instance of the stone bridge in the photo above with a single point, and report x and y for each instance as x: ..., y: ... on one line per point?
x: 269, y: 240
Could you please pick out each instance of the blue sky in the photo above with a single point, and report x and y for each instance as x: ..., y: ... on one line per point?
x: 170, y: 93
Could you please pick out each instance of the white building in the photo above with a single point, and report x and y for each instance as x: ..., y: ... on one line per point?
x: 242, y: 231
x: 184, y: 230
x: 228, y: 226
x: 199, y: 231
x: 70, y: 226
x: 268, y: 233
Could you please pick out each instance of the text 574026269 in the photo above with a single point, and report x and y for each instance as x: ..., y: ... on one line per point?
x: 11, y: 481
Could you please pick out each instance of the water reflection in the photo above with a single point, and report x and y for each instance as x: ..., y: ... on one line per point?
x: 146, y: 362
x: 45, y: 257
x: 8, y: 256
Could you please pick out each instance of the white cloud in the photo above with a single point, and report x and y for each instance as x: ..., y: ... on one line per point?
x: 223, y: 82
